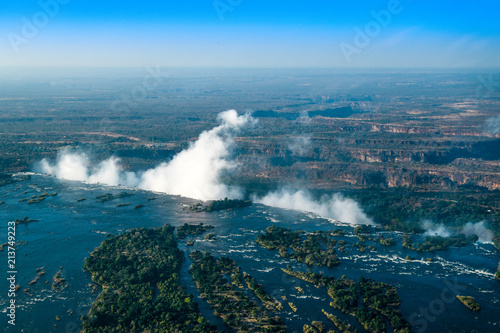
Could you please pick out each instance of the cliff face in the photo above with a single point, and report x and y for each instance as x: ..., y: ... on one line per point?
x: 415, y: 156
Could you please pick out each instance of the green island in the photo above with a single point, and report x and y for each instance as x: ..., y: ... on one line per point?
x: 341, y: 326
x: 217, y: 205
x: 6, y: 179
x: 363, y: 229
x: 36, y: 199
x: 219, y: 283
x: 24, y: 220
x: 470, y: 302
x: 386, y: 241
x: 192, y: 230
x: 109, y: 197
x: 438, y: 243
x: 380, y: 301
x: 316, y: 249
x: 139, y: 274
x: 496, y: 241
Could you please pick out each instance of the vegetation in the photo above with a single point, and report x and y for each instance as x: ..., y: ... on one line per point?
x: 438, y: 243
x: 110, y: 197
x: 36, y: 199
x: 387, y: 241
x: 380, y: 301
x: 58, y: 280
x: 191, y: 230
x: 342, y: 326
x: 363, y: 229
x: 470, y: 302
x: 229, y: 302
x: 6, y: 179
x: 269, y: 302
x: 139, y: 274
x: 217, y: 205
x: 316, y: 249
x: 210, y: 237
x: 24, y: 220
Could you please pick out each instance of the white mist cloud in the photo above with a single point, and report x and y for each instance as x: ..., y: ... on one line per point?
x: 300, y: 145
x: 479, y: 229
x: 335, y: 207
x: 436, y: 229
x: 194, y: 172
x: 492, y: 125
x: 69, y: 166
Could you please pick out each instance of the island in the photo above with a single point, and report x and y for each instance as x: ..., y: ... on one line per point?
x: 139, y: 275
x: 109, y: 196
x: 218, y: 205
x: 316, y: 249
x: 470, y: 302
x: 372, y: 303
x: 228, y: 299
x: 192, y: 229
x: 438, y: 243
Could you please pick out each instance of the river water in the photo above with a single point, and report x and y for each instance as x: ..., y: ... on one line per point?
x: 68, y: 231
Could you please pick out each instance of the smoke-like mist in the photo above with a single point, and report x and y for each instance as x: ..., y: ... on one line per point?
x: 335, y: 207
x: 196, y: 171
x: 492, y: 125
x: 479, y: 229
x: 193, y: 173
x: 300, y: 145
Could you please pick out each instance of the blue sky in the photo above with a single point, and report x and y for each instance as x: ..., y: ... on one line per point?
x: 250, y: 33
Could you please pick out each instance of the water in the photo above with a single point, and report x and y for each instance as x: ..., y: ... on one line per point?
x: 69, y: 230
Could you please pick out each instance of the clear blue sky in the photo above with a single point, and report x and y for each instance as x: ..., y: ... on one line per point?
x: 250, y: 33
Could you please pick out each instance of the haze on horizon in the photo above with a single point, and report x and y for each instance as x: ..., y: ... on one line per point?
x: 237, y: 33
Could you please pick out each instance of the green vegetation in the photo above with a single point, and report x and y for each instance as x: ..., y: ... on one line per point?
x: 269, y: 302
x: 139, y: 274
x: 191, y: 230
x: 24, y: 220
x: 109, y: 197
x: 308, y: 329
x: 438, y: 243
x: 217, y: 205
x: 228, y: 301
x: 58, y: 280
x: 380, y: 301
x: 342, y: 326
x: 496, y: 241
x: 316, y: 249
x: 210, y: 237
x: 387, y: 241
x: 319, y: 326
x: 36, y: 199
x: 6, y: 179
x: 470, y: 302
x: 363, y: 229
x: 401, y: 209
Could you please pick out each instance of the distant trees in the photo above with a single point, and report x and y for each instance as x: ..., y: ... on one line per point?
x: 139, y: 272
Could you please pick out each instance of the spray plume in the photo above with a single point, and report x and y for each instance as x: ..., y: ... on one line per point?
x: 194, y: 172
x: 479, y: 229
x: 335, y: 207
